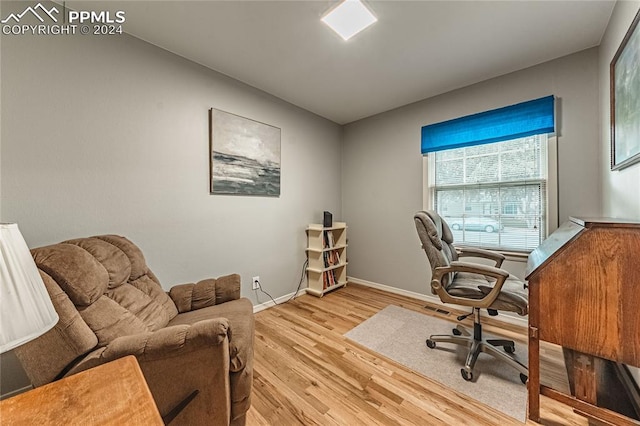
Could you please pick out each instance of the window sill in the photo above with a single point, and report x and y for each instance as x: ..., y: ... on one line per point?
x: 516, y: 256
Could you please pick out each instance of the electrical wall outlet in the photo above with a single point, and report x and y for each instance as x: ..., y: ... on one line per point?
x: 255, y: 283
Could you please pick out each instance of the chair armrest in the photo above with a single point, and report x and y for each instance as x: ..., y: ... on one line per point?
x: 500, y: 276
x: 478, y: 252
x: 209, y: 292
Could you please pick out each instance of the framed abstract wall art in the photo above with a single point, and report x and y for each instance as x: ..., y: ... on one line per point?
x: 625, y: 100
x: 244, y: 156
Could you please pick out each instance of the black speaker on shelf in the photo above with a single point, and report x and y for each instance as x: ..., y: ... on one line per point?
x: 328, y: 220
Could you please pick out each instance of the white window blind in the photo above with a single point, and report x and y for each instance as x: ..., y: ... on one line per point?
x: 493, y: 195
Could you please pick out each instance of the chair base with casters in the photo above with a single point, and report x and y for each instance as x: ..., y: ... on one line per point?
x: 477, y: 344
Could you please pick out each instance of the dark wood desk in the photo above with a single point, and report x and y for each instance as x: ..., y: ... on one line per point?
x: 111, y: 394
x: 584, y: 282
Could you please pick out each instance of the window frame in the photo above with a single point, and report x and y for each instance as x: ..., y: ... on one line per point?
x: 552, y: 202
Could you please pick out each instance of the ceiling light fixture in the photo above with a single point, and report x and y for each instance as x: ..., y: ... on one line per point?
x: 349, y: 18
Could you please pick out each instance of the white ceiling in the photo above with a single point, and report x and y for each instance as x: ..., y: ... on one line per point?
x: 416, y: 50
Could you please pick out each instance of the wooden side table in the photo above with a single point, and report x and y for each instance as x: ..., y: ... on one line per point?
x: 110, y: 394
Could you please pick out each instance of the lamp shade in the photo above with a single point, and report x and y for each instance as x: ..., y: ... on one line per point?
x: 26, y: 311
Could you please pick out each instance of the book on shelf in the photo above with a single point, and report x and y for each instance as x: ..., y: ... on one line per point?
x: 331, y: 258
x: 327, y: 239
x: 329, y: 279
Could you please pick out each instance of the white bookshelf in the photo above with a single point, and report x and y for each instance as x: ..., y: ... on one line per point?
x: 327, y: 255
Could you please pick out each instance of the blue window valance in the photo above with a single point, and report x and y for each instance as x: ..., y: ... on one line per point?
x: 512, y: 122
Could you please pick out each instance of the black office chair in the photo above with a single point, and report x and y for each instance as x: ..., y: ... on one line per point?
x: 470, y: 284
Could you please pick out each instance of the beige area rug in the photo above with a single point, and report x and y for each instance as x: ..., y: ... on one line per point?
x: 400, y: 334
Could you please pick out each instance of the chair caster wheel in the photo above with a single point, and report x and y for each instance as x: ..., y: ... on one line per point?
x: 467, y: 375
x: 523, y: 379
x: 509, y: 349
x: 431, y: 344
x: 457, y: 332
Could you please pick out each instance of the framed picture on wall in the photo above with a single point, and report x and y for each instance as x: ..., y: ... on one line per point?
x: 244, y: 156
x: 625, y: 100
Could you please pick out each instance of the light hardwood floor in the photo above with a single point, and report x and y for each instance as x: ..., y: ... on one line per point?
x: 307, y: 373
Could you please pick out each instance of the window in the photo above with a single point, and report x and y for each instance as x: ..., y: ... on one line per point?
x: 493, y: 195
x: 492, y: 175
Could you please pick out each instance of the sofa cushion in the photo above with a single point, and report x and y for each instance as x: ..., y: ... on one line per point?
x: 109, y: 320
x: 141, y: 277
x: 138, y: 263
x: 149, y: 286
x: 75, y: 270
x: 116, y: 263
x: 144, y: 307
x: 66, y: 341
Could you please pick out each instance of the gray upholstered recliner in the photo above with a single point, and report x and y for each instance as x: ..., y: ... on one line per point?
x: 470, y: 284
x: 196, y: 337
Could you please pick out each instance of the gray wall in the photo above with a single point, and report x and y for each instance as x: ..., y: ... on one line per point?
x: 620, y: 189
x: 109, y: 134
x: 382, y: 164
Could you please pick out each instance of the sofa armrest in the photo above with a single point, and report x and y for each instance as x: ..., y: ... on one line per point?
x: 176, y: 361
x: 170, y: 341
x: 209, y: 292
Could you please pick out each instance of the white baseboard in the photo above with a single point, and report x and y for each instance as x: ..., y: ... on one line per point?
x: 505, y: 317
x: 15, y: 392
x: 270, y: 304
x: 395, y: 290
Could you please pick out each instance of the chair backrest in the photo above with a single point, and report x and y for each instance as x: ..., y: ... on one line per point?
x: 437, y: 241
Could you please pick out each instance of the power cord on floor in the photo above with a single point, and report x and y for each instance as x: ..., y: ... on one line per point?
x: 304, y: 270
